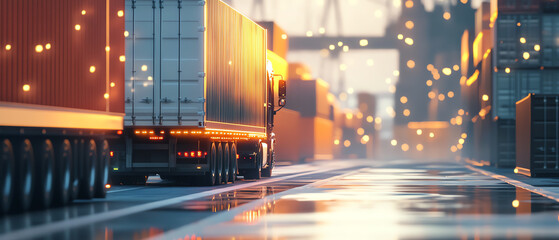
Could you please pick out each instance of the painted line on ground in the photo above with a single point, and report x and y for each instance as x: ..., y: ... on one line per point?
x: 124, y: 190
x: 42, y: 230
x: 516, y: 183
x: 196, y: 227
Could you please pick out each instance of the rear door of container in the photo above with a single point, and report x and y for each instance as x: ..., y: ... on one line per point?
x: 156, y: 59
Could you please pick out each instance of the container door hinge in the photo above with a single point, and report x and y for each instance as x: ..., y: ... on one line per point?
x: 166, y: 100
x: 201, y: 3
x: 201, y: 113
x: 201, y: 29
x: 201, y: 100
x: 146, y: 100
x: 201, y: 74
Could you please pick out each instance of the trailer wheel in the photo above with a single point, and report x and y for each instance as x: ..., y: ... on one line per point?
x: 23, y: 184
x: 226, y: 161
x: 219, y: 171
x: 89, y: 163
x: 256, y: 173
x: 102, y: 170
x: 75, y: 168
x: 6, y: 175
x: 44, y: 175
x: 62, y: 175
x: 210, y: 176
x: 233, y: 163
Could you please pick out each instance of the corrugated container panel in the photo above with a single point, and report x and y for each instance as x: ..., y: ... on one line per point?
x: 504, y: 143
x: 515, y: 6
x: 277, y: 38
x: 309, y: 97
x: 288, y: 135
x: 509, y: 51
x: 41, y: 47
x: 537, y: 135
x: 550, y: 40
x: 549, y: 6
x: 236, y: 78
x: 511, y: 87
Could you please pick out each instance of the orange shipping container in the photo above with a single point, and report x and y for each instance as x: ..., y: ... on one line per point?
x: 288, y: 137
x: 277, y: 38
x: 316, y: 138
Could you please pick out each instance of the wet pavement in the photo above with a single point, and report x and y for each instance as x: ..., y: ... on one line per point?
x: 323, y: 200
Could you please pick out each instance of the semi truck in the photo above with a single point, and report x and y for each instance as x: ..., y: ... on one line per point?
x: 199, y: 95
x: 61, y: 99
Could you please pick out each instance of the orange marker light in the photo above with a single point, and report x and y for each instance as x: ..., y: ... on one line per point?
x: 192, y: 154
x: 179, y: 153
x: 107, y: 186
x: 237, y: 156
x: 119, y: 132
x: 111, y: 153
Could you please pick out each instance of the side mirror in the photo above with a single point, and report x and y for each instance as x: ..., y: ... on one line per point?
x: 282, y: 92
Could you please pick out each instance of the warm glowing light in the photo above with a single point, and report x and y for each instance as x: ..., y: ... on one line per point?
x: 485, y: 98
x: 461, y: 141
x: 522, y: 40
x: 394, y: 142
x: 360, y: 131
x: 107, y: 186
x: 309, y: 33
x: 83, y: 12
x: 144, y: 68
x: 92, y: 69
x: 405, y: 147
x: 409, y: 41
x: 411, y: 64
x: 392, y: 89
x: 419, y: 132
x: 419, y: 147
x: 429, y: 83
x: 337, y: 142
x: 26, y: 87
x: 515, y: 203
x: 430, y: 67
x: 347, y: 143
x: 122, y: 58
x: 406, y: 112
x: 446, y: 15
x: 526, y: 55
x: 106, y: 96
x: 396, y: 73
x: 431, y: 135
x: 107, y: 48
x: 432, y: 95
x: 409, y: 4
x: 39, y: 48
x: 126, y: 33
x: 321, y: 30
x: 284, y: 36
x: 47, y: 46
x: 464, y: 135
x: 450, y: 94
x: 400, y: 36
x: 8, y: 47
x: 363, y: 42
x: 441, y: 97
x: 507, y: 70
x: 461, y: 112
x: 455, y: 67
x: 113, y: 84
x: 370, y: 62
x: 331, y: 47
x: 447, y: 71
x: 516, y: 170
x: 77, y: 27
x: 340, y: 44
x: 345, y: 48
x: 453, y: 149
x: 403, y: 99
x: 459, y: 146
x: 349, y: 116
x: 120, y: 13
x: 370, y: 119
x: 409, y: 25
x: 537, y: 47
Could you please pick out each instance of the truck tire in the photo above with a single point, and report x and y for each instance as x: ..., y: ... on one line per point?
x: 77, y: 159
x: 210, y: 177
x: 62, y: 173
x: 102, y: 170
x: 256, y: 173
x: 23, y: 184
x: 88, y: 171
x: 226, y: 163
x: 267, y: 172
x: 233, y: 163
x: 44, y: 175
x: 219, y: 170
x: 6, y: 175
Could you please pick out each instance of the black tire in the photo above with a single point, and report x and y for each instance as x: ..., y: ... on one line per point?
x: 6, y: 175
x: 226, y: 161
x: 75, y: 173
x: 88, y: 170
x: 219, y: 166
x: 211, y: 175
x: 267, y: 172
x: 62, y: 173
x: 102, y: 170
x: 256, y: 173
x: 23, y: 184
x: 233, y: 163
x: 44, y: 175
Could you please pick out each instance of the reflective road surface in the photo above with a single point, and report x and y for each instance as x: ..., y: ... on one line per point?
x: 322, y: 200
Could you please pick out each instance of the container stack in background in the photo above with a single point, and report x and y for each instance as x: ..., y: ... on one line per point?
x: 515, y: 52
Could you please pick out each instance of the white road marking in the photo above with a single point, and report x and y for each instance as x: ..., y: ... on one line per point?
x: 225, y: 216
x: 124, y: 190
x: 42, y: 230
x: 540, y: 191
